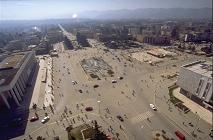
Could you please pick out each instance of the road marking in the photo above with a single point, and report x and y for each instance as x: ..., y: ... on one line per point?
x: 141, y: 117
x: 147, y: 124
x: 172, y: 122
x: 176, y: 125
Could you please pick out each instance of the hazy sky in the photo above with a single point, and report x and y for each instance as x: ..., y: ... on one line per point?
x: 42, y: 9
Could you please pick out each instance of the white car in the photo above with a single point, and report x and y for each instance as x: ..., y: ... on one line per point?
x: 74, y: 82
x: 114, y: 81
x: 153, y: 107
x: 45, y: 119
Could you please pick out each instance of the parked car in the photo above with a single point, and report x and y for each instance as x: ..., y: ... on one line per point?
x: 89, y: 109
x: 120, y: 118
x: 153, y: 107
x: 34, y: 119
x: 45, y: 119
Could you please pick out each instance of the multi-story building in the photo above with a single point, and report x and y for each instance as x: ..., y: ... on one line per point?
x: 195, y: 81
x: 154, y: 40
x: 16, y: 72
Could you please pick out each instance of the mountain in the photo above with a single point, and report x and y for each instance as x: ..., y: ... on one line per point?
x: 150, y: 13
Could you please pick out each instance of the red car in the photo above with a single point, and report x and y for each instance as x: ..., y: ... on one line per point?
x: 34, y: 119
x: 89, y: 109
x: 180, y: 135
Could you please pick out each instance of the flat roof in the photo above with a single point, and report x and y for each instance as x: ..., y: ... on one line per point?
x: 11, y: 61
x: 7, y: 76
x: 201, y: 67
x: 10, y: 66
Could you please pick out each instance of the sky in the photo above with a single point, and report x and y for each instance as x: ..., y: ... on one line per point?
x: 47, y: 9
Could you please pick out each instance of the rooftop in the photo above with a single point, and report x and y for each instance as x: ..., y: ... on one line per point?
x: 10, y: 66
x: 202, y: 67
x: 11, y: 61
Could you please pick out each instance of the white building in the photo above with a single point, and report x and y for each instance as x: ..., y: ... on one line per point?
x: 195, y: 81
x: 16, y: 72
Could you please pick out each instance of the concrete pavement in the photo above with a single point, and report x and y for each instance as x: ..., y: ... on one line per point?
x: 203, y: 113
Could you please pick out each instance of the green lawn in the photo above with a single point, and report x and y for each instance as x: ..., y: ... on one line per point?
x: 75, y: 133
x: 173, y: 99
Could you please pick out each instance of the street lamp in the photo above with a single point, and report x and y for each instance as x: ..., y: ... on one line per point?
x: 99, y: 110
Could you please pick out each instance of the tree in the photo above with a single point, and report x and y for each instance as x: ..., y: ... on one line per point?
x: 99, y: 135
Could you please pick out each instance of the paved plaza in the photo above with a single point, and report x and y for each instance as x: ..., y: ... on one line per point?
x: 142, y: 84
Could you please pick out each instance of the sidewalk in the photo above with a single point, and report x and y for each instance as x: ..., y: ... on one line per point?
x: 36, y: 90
x: 181, y: 120
x: 48, y: 98
x: 201, y: 111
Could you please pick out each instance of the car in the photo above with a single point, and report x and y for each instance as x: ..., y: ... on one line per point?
x: 109, y: 137
x: 80, y: 91
x: 74, y: 82
x: 120, y: 78
x: 34, y: 119
x: 89, y: 109
x: 16, y: 122
x: 56, y: 138
x: 120, y: 118
x: 153, y: 107
x: 114, y: 81
x: 211, y: 133
x: 45, y: 119
x: 95, y: 86
x: 180, y: 135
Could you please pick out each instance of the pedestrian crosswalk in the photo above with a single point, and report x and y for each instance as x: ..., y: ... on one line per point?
x: 141, y: 117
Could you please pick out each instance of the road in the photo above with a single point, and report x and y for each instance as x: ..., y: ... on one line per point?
x: 70, y: 36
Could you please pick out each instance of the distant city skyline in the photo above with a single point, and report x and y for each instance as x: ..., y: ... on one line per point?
x: 47, y: 9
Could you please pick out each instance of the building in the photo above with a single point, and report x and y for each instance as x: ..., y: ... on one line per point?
x: 156, y: 53
x: 195, y: 81
x: 16, y: 72
x: 154, y: 40
x: 160, y: 53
